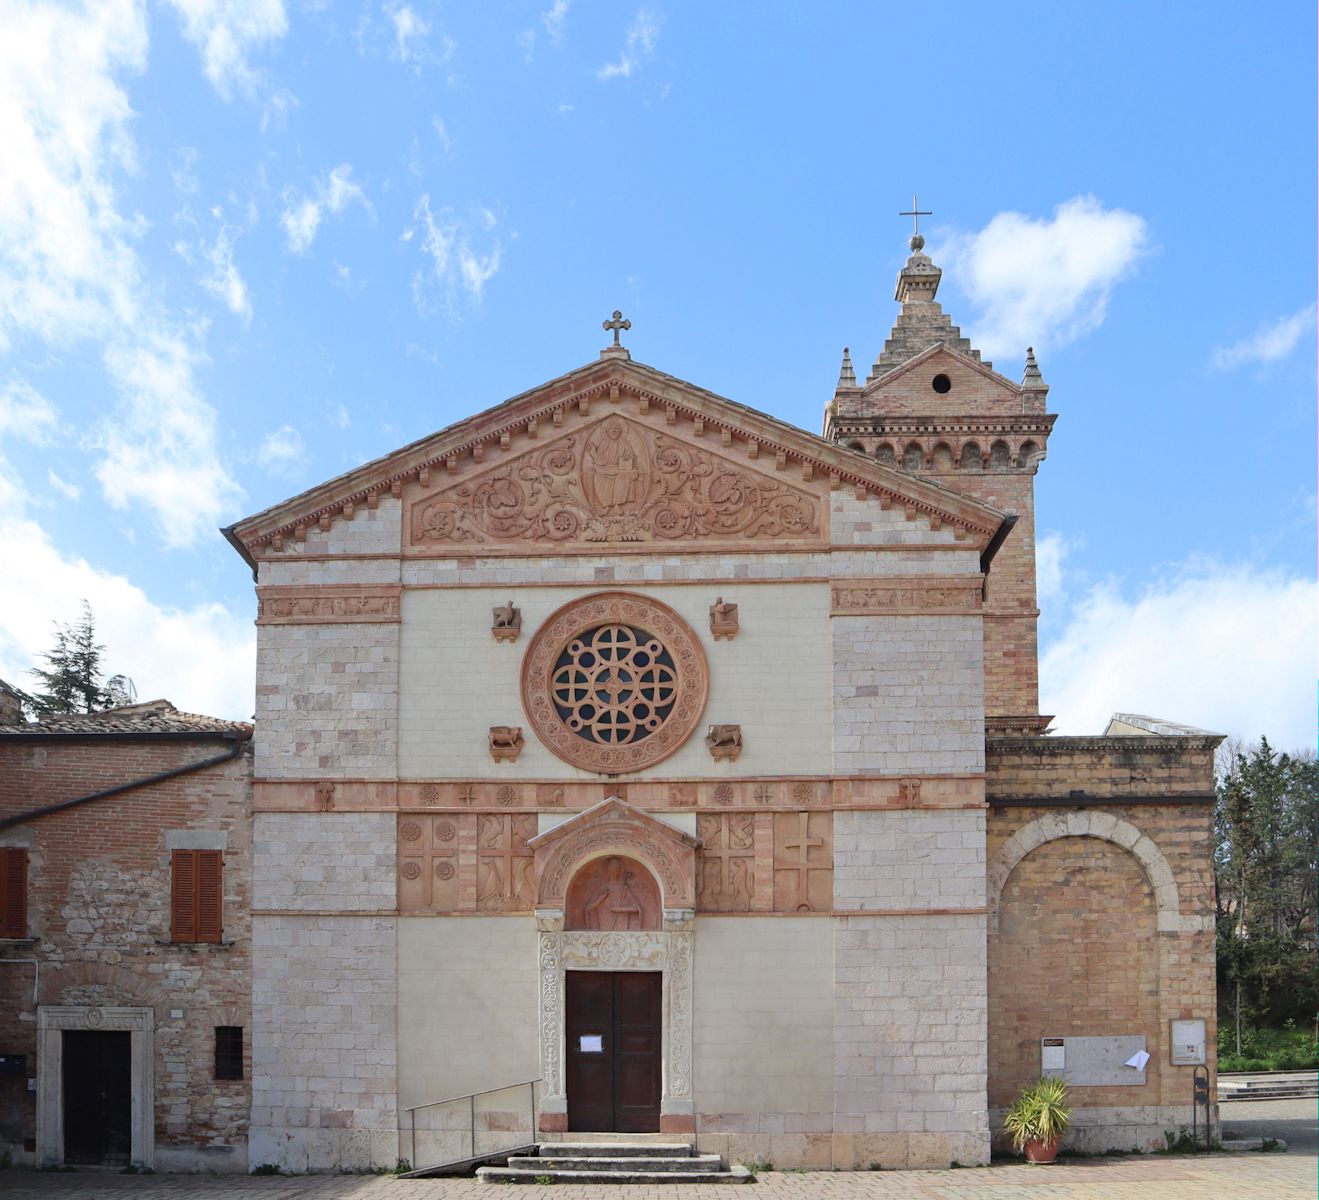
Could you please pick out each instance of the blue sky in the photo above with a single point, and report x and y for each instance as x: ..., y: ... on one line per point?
x: 247, y: 244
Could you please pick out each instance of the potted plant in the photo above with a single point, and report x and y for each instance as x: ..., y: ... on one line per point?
x: 1039, y: 1116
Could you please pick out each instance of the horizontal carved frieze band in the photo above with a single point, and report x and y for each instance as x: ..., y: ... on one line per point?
x: 328, y: 605
x: 494, y: 795
x: 911, y: 594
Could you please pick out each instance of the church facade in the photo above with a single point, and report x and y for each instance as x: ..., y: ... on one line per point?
x: 680, y: 771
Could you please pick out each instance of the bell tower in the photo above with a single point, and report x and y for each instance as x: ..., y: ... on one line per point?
x: 932, y: 407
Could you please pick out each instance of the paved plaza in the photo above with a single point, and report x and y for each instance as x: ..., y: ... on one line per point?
x: 1145, y: 1177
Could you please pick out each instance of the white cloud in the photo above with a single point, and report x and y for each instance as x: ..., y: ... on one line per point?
x: 441, y: 132
x: 453, y: 263
x: 553, y: 17
x: 225, y: 32
x: 70, y: 491
x: 69, y: 271
x: 182, y: 169
x: 1043, y: 282
x: 222, y: 278
x: 642, y: 37
x: 1226, y: 647
x: 411, y: 41
x: 302, y: 215
x: 1050, y: 551
x: 160, y: 450
x: 202, y: 658
x: 1269, y: 344
x: 281, y: 449
x: 26, y: 413
x: 339, y: 415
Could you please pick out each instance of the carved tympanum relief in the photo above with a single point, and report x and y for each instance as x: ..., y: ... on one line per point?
x: 617, y: 481
x: 613, y: 893
x: 614, y: 682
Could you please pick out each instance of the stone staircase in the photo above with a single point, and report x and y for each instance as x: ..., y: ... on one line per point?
x: 1270, y: 1085
x: 615, y: 1162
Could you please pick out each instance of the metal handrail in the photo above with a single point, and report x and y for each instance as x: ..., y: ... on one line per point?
x: 470, y: 1097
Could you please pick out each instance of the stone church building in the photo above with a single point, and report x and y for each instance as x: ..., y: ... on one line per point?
x: 627, y: 744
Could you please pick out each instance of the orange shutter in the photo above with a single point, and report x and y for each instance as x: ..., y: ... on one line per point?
x: 13, y: 893
x: 210, y: 893
x: 184, y: 895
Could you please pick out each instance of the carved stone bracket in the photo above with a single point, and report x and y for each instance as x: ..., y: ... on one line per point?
x: 724, y: 742
x: 505, y: 742
x: 506, y: 622
x: 723, y: 620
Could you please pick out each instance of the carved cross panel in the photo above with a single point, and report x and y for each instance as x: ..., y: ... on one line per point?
x: 612, y: 480
x: 505, y: 880
x: 726, y: 879
x: 803, y: 862
x: 429, y: 878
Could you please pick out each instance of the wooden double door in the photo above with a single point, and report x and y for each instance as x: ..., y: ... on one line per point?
x: 614, y: 1052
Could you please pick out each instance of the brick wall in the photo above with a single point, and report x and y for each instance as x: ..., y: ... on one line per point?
x: 99, y: 919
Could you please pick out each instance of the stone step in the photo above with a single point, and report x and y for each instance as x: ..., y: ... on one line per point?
x: 736, y: 1174
x: 599, y: 1162
x: 605, y: 1149
x: 1294, y: 1092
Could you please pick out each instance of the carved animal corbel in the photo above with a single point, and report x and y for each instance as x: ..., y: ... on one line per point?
x: 723, y: 619
x: 505, y: 742
x: 506, y: 622
x: 724, y: 741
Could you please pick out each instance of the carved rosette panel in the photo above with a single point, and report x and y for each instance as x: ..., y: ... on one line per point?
x: 616, y: 481
x: 505, y: 873
x: 671, y: 861
x: 726, y: 878
x: 803, y: 862
x: 591, y: 950
x: 614, y: 682
x: 428, y: 864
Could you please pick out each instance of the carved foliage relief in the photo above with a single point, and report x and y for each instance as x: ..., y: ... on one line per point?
x: 614, y: 482
x: 726, y: 880
x: 614, y: 682
x: 505, y: 879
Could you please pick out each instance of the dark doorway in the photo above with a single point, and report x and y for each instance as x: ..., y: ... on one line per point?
x: 98, y: 1092
x: 613, y: 1036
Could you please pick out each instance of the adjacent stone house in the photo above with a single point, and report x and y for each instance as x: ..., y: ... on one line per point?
x: 125, y: 939
x: 683, y: 770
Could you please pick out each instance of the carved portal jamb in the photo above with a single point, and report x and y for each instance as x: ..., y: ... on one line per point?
x: 669, y: 951
x: 52, y: 1021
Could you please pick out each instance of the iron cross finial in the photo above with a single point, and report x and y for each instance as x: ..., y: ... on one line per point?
x: 617, y: 324
x: 916, y: 213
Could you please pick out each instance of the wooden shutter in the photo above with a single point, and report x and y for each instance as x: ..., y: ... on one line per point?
x: 13, y: 893
x: 210, y: 893
x: 184, y: 895
x: 197, y: 895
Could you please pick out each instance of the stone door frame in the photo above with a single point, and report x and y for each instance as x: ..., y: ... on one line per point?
x: 668, y: 951
x: 140, y: 1023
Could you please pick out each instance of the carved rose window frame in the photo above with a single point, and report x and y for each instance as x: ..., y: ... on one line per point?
x: 568, y: 626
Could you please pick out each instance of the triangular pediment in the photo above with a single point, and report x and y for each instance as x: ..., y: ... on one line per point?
x: 608, y: 811
x: 655, y: 462
x: 939, y: 357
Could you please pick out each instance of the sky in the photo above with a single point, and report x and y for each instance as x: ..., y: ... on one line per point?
x: 246, y: 245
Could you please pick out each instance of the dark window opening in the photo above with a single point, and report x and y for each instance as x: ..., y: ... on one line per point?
x: 228, y: 1052
x: 942, y: 384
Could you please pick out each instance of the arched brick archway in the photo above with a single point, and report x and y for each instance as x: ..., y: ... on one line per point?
x: 1108, y: 828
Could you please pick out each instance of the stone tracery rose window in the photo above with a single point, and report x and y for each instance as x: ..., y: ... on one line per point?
x: 614, y: 682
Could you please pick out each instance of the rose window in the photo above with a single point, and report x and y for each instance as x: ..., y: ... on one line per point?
x: 614, y: 682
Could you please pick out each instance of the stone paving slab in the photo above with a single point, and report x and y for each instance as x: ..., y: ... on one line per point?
x: 1237, y: 1176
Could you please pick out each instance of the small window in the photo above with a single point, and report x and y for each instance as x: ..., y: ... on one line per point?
x: 228, y: 1052
x: 13, y: 892
x: 942, y: 384
x: 196, y: 891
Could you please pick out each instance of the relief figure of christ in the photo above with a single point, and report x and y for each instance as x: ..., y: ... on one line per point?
x: 614, y: 468
x: 615, y: 905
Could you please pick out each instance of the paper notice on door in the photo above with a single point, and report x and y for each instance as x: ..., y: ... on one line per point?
x: 592, y: 1043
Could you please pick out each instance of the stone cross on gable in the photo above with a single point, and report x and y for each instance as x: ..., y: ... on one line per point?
x: 618, y: 323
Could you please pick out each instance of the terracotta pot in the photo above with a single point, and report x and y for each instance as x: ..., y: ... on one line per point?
x: 1042, y: 1153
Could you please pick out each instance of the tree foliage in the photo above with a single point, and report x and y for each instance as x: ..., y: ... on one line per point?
x: 1266, y: 855
x: 73, y: 679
